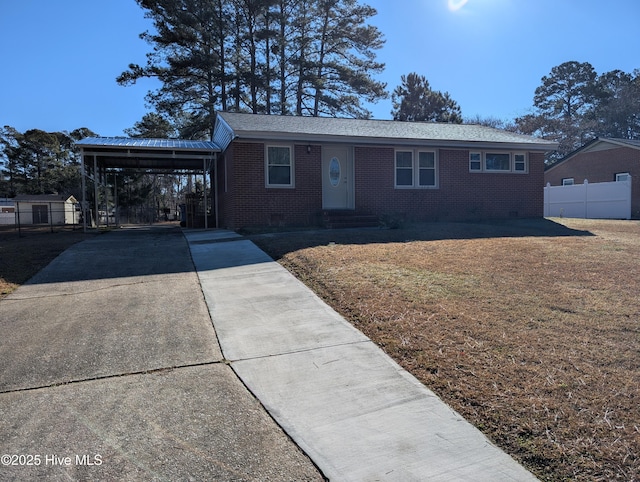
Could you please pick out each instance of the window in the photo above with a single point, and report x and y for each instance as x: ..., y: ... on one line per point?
x: 426, y: 169
x: 279, y: 166
x: 622, y: 176
x: 475, y: 161
x: 404, y: 168
x: 415, y: 169
x: 494, y: 161
x: 515, y: 162
x: 567, y: 181
x: 519, y: 162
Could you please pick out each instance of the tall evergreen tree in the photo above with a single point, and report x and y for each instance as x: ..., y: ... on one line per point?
x: 414, y: 100
x: 39, y: 162
x: 9, y: 144
x: 617, y: 110
x: 574, y: 105
x: 188, y: 41
x: 304, y: 57
x: 152, y: 125
x: 342, y: 59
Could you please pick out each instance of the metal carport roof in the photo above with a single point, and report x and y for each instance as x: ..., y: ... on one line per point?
x: 154, y: 156
x: 150, y: 154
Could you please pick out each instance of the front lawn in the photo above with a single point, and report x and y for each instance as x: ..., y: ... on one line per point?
x: 529, y: 329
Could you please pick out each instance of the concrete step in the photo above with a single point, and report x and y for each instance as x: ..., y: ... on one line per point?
x: 336, y: 219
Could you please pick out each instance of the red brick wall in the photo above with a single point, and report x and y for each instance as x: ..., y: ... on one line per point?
x: 461, y: 195
x: 601, y: 166
x: 224, y: 179
x: 250, y: 203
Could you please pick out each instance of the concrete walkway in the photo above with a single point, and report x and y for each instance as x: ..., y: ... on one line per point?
x: 353, y: 410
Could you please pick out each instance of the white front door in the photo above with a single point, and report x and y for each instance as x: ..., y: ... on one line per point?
x: 337, y: 178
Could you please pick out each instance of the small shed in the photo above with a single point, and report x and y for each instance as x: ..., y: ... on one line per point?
x: 7, y: 211
x: 46, y: 209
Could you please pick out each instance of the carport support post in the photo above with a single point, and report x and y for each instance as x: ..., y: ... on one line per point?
x: 51, y: 217
x: 95, y: 190
x: 83, y: 173
x: 215, y: 186
x: 115, y: 200
x: 18, y: 219
x: 204, y: 182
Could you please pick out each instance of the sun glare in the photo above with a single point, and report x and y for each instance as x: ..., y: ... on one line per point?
x: 455, y: 5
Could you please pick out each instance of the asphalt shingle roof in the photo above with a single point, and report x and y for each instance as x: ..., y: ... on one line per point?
x: 290, y: 127
x: 631, y: 142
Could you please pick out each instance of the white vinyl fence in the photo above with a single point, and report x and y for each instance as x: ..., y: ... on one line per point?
x: 602, y: 200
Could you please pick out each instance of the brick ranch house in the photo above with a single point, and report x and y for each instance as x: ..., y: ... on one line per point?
x: 281, y: 170
x: 601, y: 160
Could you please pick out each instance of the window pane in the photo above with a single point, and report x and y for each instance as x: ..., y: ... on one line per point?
x: 427, y: 177
x: 404, y: 177
x: 404, y: 159
x: 279, y: 165
x: 279, y: 156
x: 497, y: 162
x: 519, y: 163
x: 279, y: 175
x: 427, y: 160
x: 475, y: 162
x: 404, y: 168
x: 427, y: 169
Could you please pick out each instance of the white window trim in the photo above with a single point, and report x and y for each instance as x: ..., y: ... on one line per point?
x: 620, y: 174
x: 415, y: 168
x: 292, y: 184
x: 565, y: 181
x: 479, y: 154
x: 526, y: 162
x: 512, y: 163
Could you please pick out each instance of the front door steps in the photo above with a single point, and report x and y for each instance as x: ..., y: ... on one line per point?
x: 348, y: 218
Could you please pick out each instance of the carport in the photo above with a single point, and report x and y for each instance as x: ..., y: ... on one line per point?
x: 102, y: 156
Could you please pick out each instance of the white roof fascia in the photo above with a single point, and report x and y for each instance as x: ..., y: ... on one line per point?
x: 390, y: 141
x: 223, y: 134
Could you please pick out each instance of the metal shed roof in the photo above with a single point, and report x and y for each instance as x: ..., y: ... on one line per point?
x: 44, y: 198
x: 157, y: 154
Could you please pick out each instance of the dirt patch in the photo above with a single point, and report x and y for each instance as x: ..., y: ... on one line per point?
x: 529, y: 329
x: 22, y: 255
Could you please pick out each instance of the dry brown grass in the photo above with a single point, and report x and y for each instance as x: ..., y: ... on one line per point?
x: 23, y: 256
x: 529, y: 329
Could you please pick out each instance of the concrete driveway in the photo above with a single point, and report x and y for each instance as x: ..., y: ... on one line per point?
x: 111, y: 370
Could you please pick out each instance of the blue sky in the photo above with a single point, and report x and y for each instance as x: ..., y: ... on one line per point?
x: 60, y: 58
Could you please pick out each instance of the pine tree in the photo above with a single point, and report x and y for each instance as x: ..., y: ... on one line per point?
x: 303, y: 57
x: 414, y: 100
